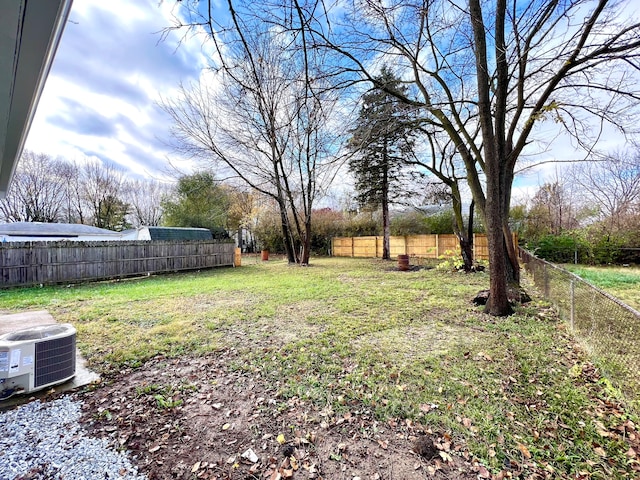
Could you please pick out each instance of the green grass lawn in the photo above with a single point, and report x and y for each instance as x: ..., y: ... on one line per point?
x: 351, y: 333
x: 621, y: 282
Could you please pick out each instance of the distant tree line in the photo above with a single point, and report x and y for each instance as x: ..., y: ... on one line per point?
x: 55, y: 190
x: 589, y: 213
x: 52, y: 190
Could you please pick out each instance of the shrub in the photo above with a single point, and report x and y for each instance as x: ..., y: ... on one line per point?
x: 559, y: 248
x: 587, y: 247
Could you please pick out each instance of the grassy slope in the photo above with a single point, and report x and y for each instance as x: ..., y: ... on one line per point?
x: 350, y: 333
x: 622, y: 283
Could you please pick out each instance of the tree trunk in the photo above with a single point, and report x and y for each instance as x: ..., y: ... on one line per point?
x: 466, y: 242
x: 470, y: 225
x: 498, y: 304
x: 466, y: 249
x: 464, y: 239
x: 306, y: 243
x: 386, y: 230
x: 289, y: 246
x: 511, y: 260
x: 386, y: 234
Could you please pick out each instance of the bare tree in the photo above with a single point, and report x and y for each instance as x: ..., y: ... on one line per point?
x: 74, y: 210
x: 612, y: 184
x: 145, y: 199
x: 265, y: 120
x: 553, y: 209
x: 37, y: 193
x: 101, y: 195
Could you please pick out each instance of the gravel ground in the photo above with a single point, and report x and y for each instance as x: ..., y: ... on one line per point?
x: 45, y: 441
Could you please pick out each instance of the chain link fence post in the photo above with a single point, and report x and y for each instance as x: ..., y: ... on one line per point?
x: 572, y: 299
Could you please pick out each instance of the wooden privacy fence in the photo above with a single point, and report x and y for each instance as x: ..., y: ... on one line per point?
x: 34, y: 263
x: 427, y: 246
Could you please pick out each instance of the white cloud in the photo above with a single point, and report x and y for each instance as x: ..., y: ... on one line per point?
x: 110, y: 68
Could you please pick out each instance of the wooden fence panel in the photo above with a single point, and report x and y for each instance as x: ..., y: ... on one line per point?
x: 33, y: 263
x: 397, y: 246
x: 429, y: 246
x: 481, y: 246
x: 342, y: 246
x: 423, y: 246
x: 364, y: 247
x: 448, y: 245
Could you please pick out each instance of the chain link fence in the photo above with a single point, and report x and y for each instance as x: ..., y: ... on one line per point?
x: 607, y: 328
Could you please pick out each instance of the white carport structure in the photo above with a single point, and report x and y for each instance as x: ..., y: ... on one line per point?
x: 30, y: 31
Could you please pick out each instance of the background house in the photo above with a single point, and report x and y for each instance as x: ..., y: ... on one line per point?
x: 167, y: 233
x: 40, y: 232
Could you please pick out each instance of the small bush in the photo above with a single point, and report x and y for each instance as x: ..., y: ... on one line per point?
x: 559, y: 248
x: 595, y: 249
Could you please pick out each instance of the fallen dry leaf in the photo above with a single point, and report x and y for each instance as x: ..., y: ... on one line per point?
x: 446, y: 457
x: 524, y: 450
x: 483, y: 472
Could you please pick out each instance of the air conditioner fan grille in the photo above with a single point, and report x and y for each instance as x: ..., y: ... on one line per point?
x: 55, y: 360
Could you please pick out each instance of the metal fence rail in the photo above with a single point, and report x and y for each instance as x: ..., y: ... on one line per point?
x: 608, y: 328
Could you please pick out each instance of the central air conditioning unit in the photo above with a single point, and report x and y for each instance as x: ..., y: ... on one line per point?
x: 36, y: 358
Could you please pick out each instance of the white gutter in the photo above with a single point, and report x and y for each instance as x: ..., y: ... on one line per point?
x: 33, y: 52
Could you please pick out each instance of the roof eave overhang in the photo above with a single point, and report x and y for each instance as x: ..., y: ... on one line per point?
x: 32, y: 32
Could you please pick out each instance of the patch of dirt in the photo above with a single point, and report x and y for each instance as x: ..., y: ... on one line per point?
x: 196, y: 418
x: 411, y: 268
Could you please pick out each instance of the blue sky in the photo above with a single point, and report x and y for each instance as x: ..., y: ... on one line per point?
x: 109, y: 71
x: 100, y: 96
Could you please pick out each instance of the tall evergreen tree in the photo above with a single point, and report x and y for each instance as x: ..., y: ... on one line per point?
x: 381, y: 140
